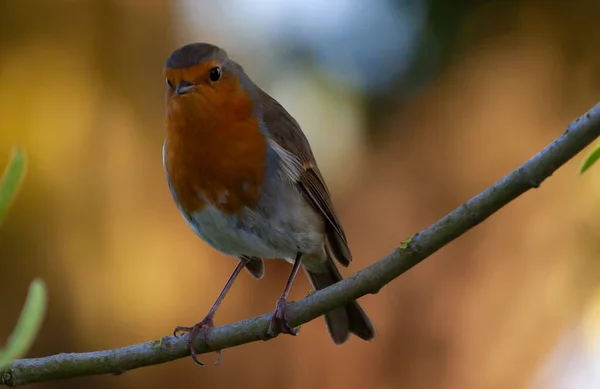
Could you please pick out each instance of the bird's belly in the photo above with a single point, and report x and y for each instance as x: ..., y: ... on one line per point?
x: 227, y: 233
x: 269, y: 232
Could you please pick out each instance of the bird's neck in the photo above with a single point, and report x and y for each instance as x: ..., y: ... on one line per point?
x: 214, y: 155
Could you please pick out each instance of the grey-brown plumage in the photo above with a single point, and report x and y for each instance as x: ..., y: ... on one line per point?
x: 286, y: 132
x: 256, y: 267
x: 193, y: 54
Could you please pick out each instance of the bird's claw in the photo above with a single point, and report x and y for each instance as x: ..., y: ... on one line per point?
x: 279, y: 321
x: 202, y: 326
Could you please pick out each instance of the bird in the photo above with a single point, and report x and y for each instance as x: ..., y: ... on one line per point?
x: 244, y: 177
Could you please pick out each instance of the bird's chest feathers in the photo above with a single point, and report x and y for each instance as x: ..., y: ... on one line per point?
x: 217, y: 158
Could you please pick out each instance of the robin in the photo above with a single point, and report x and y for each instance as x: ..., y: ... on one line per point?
x: 244, y: 177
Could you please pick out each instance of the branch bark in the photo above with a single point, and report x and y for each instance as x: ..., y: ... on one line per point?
x: 531, y: 174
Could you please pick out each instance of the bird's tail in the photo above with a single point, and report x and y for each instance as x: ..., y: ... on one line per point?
x: 343, y: 321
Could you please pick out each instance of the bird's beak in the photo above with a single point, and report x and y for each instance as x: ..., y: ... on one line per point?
x: 184, y: 87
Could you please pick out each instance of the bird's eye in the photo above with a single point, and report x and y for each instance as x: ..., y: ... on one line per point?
x: 215, y: 74
x: 169, y: 85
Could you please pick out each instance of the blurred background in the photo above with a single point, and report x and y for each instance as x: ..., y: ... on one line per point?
x: 412, y: 107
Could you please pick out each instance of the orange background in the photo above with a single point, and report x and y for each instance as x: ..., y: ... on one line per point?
x: 82, y: 91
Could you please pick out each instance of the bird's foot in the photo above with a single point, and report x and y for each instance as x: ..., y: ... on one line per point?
x: 279, y: 321
x: 202, y: 326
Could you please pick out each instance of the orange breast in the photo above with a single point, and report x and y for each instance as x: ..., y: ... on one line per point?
x: 215, y: 151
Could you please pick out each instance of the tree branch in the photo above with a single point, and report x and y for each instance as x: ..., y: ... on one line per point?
x: 576, y: 137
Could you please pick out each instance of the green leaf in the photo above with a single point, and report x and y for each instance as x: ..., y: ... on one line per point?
x: 28, y: 325
x: 590, y: 160
x: 11, y: 180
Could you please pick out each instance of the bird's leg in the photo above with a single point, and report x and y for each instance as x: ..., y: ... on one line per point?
x: 208, y: 322
x: 279, y: 319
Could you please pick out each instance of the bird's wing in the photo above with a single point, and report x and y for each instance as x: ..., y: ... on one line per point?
x: 299, y: 164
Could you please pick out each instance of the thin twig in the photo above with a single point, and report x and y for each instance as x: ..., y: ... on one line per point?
x: 576, y: 137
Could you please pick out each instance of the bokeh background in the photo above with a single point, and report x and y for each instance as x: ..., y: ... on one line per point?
x: 412, y: 107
